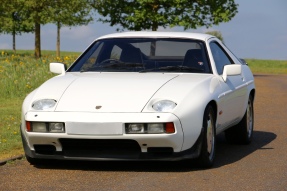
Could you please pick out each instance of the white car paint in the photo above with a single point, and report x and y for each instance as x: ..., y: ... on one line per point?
x: 127, y: 95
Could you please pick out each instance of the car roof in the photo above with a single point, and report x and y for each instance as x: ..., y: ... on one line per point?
x: 155, y: 34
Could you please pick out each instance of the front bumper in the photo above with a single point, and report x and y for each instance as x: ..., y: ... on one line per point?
x: 129, y: 153
x: 75, y: 145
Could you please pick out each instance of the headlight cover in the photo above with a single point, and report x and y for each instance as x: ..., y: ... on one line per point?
x: 44, y: 104
x: 164, y: 105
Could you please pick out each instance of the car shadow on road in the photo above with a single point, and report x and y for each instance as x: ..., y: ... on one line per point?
x: 228, y: 153
x: 225, y: 154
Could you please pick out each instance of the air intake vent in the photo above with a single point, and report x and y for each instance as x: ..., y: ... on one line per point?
x: 100, y: 148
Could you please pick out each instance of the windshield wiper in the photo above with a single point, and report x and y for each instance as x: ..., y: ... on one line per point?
x: 174, y: 68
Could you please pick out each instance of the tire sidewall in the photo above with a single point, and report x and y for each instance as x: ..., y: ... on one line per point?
x: 206, y: 159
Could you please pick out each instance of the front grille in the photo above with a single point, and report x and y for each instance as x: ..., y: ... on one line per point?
x: 100, y: 148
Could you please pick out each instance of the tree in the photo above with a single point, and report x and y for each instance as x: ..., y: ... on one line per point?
x: 216, y: 34
x: 38, y: 12
x: 70, y: 13
x: 13, y: 19
x: 2, y: 14
x: 151, y: 14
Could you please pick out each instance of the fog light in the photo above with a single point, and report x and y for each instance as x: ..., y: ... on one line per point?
x: 135, y: 128
x: 56, y: 127
x: 155, y: 128
x: 164, y: 106
x: 150, y: 128
x: 44, y: 104
x: 39, y: 127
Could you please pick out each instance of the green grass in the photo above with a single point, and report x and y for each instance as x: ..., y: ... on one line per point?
x: 267, y: 66
x: 44, y: 53
x: 10, y: 141
x: 20, y: 73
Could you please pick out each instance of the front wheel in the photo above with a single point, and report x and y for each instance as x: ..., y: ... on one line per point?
x: 242, y: 132
x: 207, y: 154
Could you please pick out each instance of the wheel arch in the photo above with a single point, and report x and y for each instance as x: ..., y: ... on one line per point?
x: 252, y: 93
x: 213, y: 104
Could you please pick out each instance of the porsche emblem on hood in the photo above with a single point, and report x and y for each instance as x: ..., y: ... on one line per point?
x: 98, y: 107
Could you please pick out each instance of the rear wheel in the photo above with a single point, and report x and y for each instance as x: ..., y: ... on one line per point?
x: 242, y: 132
x: 207, y: 154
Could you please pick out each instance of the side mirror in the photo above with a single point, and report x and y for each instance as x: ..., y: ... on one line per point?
x: 231, y: 70
x: 57, y: 68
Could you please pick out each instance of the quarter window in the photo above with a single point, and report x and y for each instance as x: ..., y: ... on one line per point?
x: 220, y: 57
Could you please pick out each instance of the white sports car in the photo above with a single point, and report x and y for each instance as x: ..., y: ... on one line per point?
x: 141, y: 96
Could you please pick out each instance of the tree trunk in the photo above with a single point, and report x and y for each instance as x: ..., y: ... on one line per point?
x: 152, y: 48
x: 58, y: 39
x: 154, y: 26
x: 37, y: 40
x: 153, y: 44
x: 14, y: 40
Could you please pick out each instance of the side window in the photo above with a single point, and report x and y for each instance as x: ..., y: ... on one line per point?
x: 220, y: 57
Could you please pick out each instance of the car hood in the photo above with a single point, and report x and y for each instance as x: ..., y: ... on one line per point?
x: 102, y: 92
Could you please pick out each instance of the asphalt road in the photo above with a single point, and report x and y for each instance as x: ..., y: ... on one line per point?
x: 259, y: 166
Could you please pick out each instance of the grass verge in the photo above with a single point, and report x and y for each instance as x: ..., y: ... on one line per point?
x: 267, y: 66
x: 10, y: 141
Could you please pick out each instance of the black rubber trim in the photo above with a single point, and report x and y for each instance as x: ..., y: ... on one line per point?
x: 191, y: 153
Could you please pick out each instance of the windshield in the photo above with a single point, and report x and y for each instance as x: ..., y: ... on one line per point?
x: 144, y: 55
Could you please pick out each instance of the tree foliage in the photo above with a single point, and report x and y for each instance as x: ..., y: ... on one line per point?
x: 17, y: 16
x: 151, y: 14
x: 71, y: 12
x: 38, y: 13
x: 13, y: 19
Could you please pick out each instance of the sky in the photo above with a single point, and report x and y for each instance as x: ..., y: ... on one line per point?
x: 258, y: 30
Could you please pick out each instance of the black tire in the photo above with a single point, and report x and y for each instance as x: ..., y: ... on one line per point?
x: 242, y: 132
x: 207, y: 153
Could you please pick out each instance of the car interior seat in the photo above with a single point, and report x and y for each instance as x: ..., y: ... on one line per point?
x: 193, y: 58
x: 131, y: 55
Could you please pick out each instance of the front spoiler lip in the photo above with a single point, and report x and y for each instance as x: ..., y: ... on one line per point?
x: 190, y: 153
x: 187, y: 154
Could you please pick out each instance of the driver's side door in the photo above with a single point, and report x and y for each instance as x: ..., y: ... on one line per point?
x: 233, y: 88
